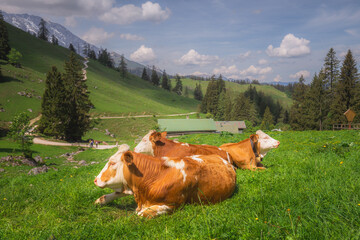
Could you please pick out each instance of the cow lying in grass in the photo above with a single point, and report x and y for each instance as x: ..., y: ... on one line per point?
x: 245, y: 154
x: 161, y: 185
x: 156, y: 144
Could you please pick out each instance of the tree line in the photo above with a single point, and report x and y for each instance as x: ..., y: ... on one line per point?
x: 332, y: 91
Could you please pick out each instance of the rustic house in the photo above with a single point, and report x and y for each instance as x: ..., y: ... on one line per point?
x: 187, y: 126
x: 230, y: 126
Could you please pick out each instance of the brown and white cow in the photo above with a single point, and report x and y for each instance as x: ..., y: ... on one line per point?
x: 156, y: 144
x: 248, y: 154
x: 161, y: 185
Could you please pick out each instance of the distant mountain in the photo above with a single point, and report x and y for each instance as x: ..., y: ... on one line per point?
x: 30, y: 24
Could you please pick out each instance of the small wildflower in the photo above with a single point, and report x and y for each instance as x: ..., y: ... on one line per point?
x: 288, y: 210
x: 265, y: 222
x: 61, y: 180
x: 341, y: 162
x: 359, y: 204
x: 70, y: 175
x: 324, y: 146
x: 5, y: 199
x: 256, y: 219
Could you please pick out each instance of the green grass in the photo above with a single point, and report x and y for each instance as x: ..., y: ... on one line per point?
x: 110, y: 94
x: 311, y: 190
x: 234, y: 88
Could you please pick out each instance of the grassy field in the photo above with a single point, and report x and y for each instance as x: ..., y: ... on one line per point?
x: 311, y: 190
x: 235, y: 88
x: 111, y: 94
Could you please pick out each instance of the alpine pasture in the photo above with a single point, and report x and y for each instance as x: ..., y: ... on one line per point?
x: 311, y: 190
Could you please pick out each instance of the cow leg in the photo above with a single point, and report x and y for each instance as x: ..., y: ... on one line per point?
x: 154, y: 210
x: 104, y: 199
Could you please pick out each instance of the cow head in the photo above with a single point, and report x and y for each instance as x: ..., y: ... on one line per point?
x: 266, y: 142
x: 147, y: 144
x: 112, y: 175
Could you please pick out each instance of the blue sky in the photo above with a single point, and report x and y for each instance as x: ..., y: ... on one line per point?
x: 265, y: 40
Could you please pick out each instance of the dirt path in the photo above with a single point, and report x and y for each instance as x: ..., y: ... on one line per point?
x: 145, y: 116
x: 38, y: 140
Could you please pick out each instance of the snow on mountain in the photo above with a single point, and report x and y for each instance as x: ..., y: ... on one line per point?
x: 30, y: 24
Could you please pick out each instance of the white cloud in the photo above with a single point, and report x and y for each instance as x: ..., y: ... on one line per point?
x: 97, y: 36
x: 131, y: 37
x: 278, y: 78
x: 290, y: 46
x: 143, y: 54
x: 253, y: 71
x: 226, y: 71
x: 297, y: 75
x: 263, y: 61
x: 194, y: 58
x: 200, y: 74
x: 245, y: 55
x: 130, y: 13
x: 70, y: 21
x: 352, y: 32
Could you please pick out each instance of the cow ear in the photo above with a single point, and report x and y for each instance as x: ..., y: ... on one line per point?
x: 254, y: 137
x: 156, y: 136
x: 127, y: 158
x: 164, y: 134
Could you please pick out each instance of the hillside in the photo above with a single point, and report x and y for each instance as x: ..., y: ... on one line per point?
x: 110, y: 94
x: 277, y: 95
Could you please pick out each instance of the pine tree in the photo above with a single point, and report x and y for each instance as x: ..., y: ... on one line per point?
x: 123, y: 66
x: 43, y: 31
x: 220, y: 113
x: 228, y: 108
x: 86, y: 50
x: 92, y: 54
x: 211, y: 98
x: 297, y: 110
x: 154, y: 77
x: 221, y: 85
x: 71, y: 48
x: 240, y: 110
x: 178, y: 85
x: 144, y: 75
x: 165, y: 83
x: 331, y: 69
x: 52, y: 105
x: 346, y: 90
x: 54, y: 40
x: 77, y: 102
x: 105, y: 58
x: 267, y: 122
x: 198, y: 95
x: 317, y: 102
x: 4, y: 39
x: 186, y: 91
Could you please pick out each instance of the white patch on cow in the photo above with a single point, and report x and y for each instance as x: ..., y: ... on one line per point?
x: 160, y: 209
x: 266, y: 142
x: 145, y: 145
x: 178, y: 165
x: 196, y: 158
x: 224, y: 161
x: 117, y: 183
x: 185, y: 144
x: 228, y: 157
x: 176, y: 141
x: 196, y: 178
x: 220, y: 149
x: 164, y: 158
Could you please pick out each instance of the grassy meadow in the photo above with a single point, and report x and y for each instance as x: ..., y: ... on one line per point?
x: 311, y: 190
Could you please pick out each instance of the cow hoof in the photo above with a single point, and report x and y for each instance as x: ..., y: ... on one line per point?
x: 100, y: 200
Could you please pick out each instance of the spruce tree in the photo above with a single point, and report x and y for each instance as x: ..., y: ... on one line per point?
x: 71, y: 48
x: 186, y: 91
x: 297, y: 110
x: 228, y: 108
x: 123, y: 66
x: 105, y: 58
x: 154, y: 77
x: 346, y: 90
x: 165, y: 83
x: 220, y: 113
x: 92, y: 54
x: 43, y: 31
x: 4, y: 39
x: 178, y: 85
x: 267, y: 122
x: 54, y: 40
x: 241, y: 107
x: 211, y: 98
x: 52, y: 105
x: 198, y: 95
x: 144, y: 75
x: 331, y: 69
x: 77, y: 102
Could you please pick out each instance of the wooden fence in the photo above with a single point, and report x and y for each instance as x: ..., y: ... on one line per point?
x: 351, y: 126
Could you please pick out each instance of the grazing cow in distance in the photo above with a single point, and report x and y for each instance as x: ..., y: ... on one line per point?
x: 156, y: 144
x: 161, y: 185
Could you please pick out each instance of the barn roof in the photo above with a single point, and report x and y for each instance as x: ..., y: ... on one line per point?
x: 230, y: 126
x: 186, y: 125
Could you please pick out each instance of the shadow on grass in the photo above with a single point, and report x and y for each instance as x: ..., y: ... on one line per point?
x: 129, y: 206
x: 10, y: 79
x: 13, y: 151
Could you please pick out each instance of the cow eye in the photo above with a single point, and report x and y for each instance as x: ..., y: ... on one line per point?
x: 112, y: 163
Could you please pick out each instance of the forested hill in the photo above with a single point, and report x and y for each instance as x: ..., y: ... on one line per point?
x: 21, y: 89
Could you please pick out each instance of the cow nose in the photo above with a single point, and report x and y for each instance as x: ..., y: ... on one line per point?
x: 278, y: 143
x: 95, y: 181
